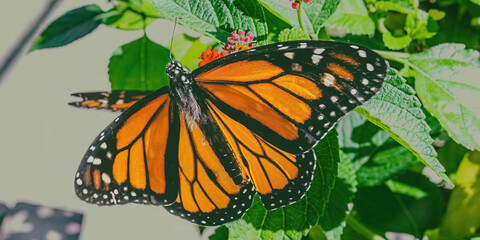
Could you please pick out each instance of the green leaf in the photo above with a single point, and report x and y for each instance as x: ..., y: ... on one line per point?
x: 319, y: 11
x: 221, y: 233
x: 436, y: 14
x: 283, y: 9
x: 462, y: 218
x: 341, y: 195
x: 391, y: 41
x: 450, y: 154
x: 139, y: 65
x: 293, y: 221
x: 401, y: 6
x: 352, y: 17
x: 317, y: 233
x: 333, y: 220
x: 476, y: 2
x: 69, y: 27
x: 376, y: 156
x: 292, y: 34
x: 187, y: 49
x: 384, y: 209
x: 129, y: 15
x: 420, y: 25
x: 397, y: 110
x: 201, y: 229
x: 358, y: 138
x: 142, y: 6
x: 126, y: 19
x: 217, y: 19
x: 389, y: 160
x: 447, y: 83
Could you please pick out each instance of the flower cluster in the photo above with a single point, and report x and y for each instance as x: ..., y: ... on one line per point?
x: 237, y: 42
x: 296, y: 3
x: 209, y: 55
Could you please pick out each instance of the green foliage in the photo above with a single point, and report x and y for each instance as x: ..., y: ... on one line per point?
x: 139, y: 65
x: 352, y: 17
x: 341, y: 196
x: 447, y: 83
x: 218, y: 18
x: 69, y: 27
x: 131, y: 16
x: 292, y: 34
x: 372, y: 164
x: 397, y: 110
x: 463, y: 211
x: 319, y: 11
x: 396, y: 211
x: 376, y: 156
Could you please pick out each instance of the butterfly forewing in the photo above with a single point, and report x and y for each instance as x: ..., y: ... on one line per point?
x: 291, y: 94
x: 114, y: 101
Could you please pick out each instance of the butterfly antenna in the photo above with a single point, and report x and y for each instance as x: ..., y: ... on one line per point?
x: 173, y: 34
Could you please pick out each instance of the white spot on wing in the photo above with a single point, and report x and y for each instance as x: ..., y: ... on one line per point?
x: 362, y: 53
x: 318, y: 50
x: 290, y: 55
x: 370, y: 67
x: 316, y: 59
x: 328, y: 80
x: 106, y: 179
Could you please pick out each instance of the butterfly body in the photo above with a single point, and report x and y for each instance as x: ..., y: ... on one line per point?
x: 243, y: 124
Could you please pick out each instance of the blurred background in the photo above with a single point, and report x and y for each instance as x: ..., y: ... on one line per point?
x: 42, y: 139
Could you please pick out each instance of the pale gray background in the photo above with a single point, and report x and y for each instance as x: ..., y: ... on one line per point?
x: 42, y: 139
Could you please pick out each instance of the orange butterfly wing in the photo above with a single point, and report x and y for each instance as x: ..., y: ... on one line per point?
x: 293, y: 95
x: 262, y: 111
x: 130, y: 161
x: 274, y: 105
x: 208, y: 193
x: 150, y: 155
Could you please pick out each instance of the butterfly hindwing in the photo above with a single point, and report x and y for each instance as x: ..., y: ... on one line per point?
x: 291, y: 94
x: 131, y: 160
x: 208, y: 194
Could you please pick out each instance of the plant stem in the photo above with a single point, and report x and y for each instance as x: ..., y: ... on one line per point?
x: 299, y: 16
x: 26, y: 37
x: 359, y: 228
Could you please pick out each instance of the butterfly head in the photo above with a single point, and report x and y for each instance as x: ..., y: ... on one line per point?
x: 177, y: 72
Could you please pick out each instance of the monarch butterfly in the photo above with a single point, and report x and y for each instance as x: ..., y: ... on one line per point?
x: 243, y: 124
x: 115, y: 100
